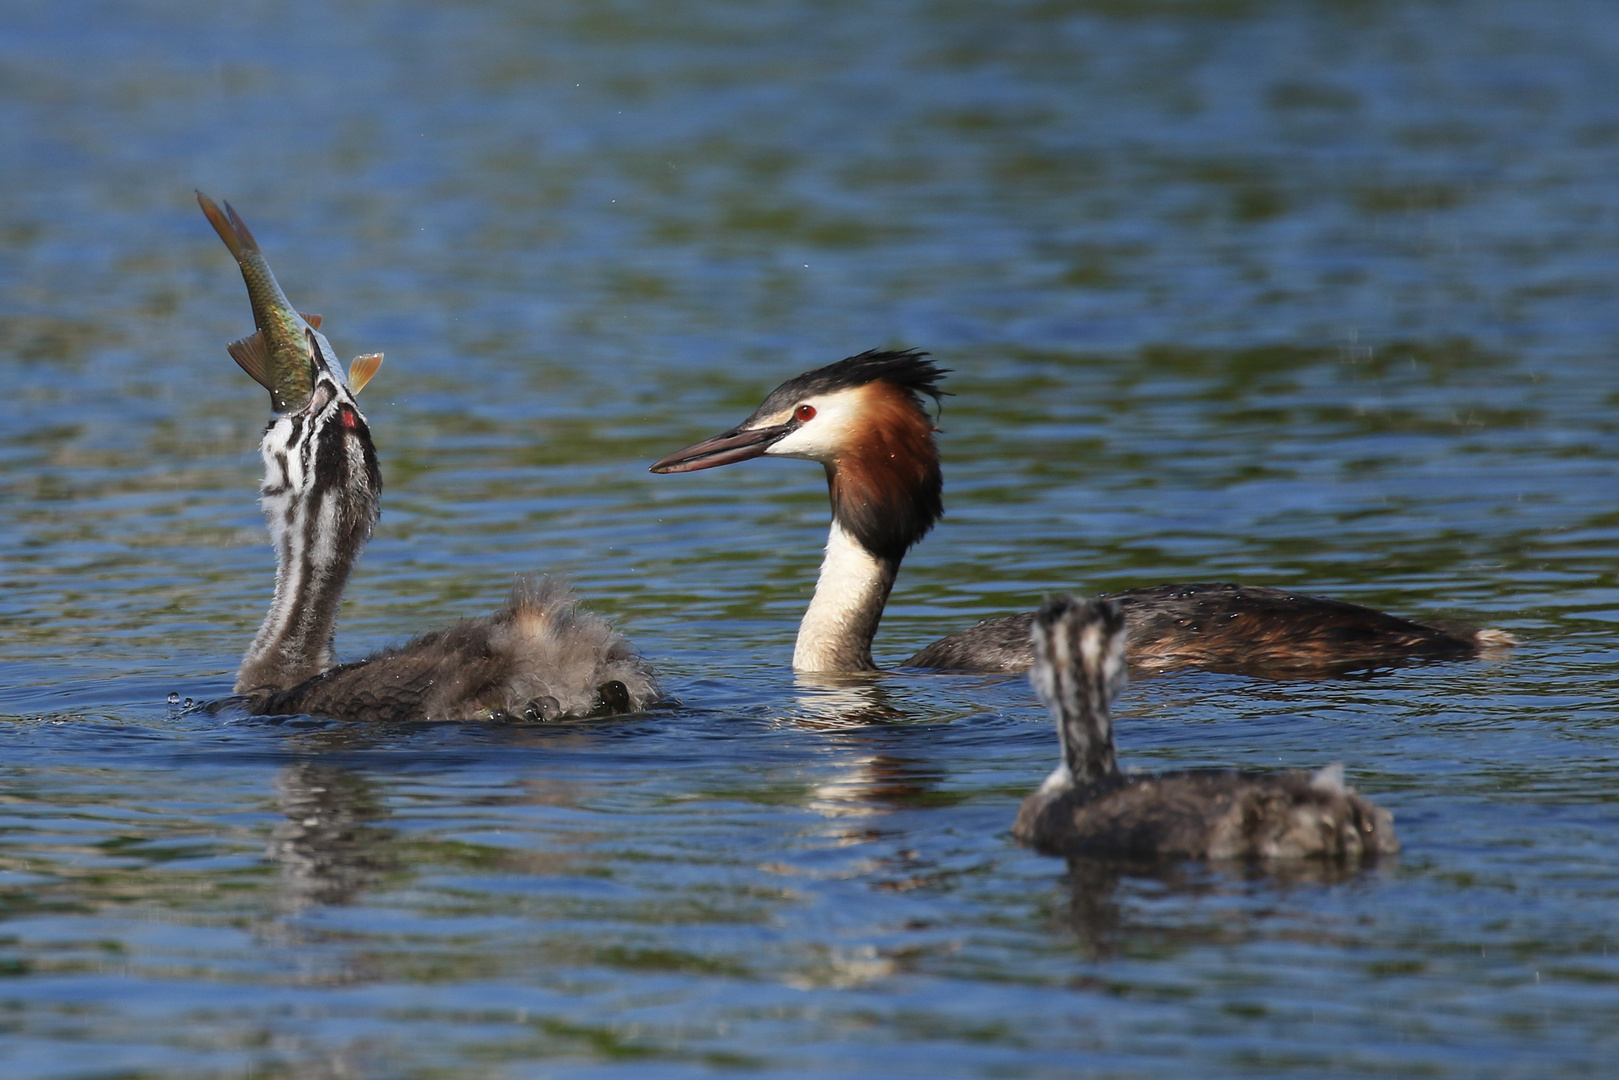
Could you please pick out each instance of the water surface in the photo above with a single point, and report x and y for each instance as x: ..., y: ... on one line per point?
x: 1315, y: 294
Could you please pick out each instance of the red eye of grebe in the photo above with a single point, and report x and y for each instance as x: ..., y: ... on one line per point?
x: 803, y: 413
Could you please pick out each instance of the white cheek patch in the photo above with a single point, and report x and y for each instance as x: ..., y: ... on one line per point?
x: 836, y: 420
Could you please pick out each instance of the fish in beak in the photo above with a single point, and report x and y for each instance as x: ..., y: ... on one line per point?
x: 286, y: 352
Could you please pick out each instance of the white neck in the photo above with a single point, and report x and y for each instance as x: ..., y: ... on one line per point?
x: 848, y: 604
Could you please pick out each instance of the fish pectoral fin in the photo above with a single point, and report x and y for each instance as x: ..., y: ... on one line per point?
x: 312, y: 320
x: 252, y: 357
x: 364, y: 366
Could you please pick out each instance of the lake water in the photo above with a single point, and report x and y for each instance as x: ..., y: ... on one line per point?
x: 1315, y: 294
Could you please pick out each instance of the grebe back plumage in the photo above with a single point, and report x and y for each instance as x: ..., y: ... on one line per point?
x: 1088, y: 806
x: 865, y: 420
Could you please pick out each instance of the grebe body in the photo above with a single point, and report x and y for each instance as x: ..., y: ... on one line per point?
x: 1223, y: 627
x: 538, y: 658
x: 865, y: 421
x: 1088, y: 806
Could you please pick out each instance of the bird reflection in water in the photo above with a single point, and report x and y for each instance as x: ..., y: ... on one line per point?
x: 871, y: 781
x: 872, y: 784
x: 328, y: 846
x: 858, y: 712
x: 843, y: 701
x: 1116, y: 907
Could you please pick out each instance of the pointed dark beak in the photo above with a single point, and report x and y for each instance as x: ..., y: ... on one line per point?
x: 728, y: 446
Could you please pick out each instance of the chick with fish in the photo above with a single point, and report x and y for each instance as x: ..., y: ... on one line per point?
x: 539, y: 658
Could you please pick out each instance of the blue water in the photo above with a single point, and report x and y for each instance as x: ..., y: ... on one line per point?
x: 1315, y: 294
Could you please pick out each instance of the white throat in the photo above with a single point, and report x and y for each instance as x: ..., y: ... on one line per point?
x: 848, y: 604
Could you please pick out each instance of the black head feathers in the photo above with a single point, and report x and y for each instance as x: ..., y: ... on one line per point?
x: 910, y: 369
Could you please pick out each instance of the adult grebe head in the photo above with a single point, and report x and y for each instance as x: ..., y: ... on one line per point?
x: 865, y: 420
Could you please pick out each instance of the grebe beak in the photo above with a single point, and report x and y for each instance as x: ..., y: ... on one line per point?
x: 738, y: 444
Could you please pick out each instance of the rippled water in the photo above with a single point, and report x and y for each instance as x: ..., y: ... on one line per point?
x: 1313, y: 294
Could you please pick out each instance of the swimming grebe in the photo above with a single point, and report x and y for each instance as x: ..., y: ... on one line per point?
x: 864, y: 419
x: 1088, y: 806
x: 538, y: 658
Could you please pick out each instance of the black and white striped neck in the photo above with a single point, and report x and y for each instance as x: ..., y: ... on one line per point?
x: 1078, y: 668
x: 320, y: 496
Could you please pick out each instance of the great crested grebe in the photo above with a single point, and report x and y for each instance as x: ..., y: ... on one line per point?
x: 1088, y: 806
x: 864, y: 419
x: 538, y: 658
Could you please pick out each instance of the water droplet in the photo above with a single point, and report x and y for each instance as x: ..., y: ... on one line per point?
x: 188, y: 704
x: 174, y: 698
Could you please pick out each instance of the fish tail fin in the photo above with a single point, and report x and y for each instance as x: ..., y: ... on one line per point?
x: 248, y: 243
x: 229, y: 225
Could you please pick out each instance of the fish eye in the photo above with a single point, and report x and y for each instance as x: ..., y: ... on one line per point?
x: 804, y: 413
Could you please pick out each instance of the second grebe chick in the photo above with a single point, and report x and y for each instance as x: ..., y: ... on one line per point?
x: 865, y: 421
x: 1088, y: 806
x: 538, y: 658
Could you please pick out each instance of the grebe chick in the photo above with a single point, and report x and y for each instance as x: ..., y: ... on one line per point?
x: 864, y: 420
x: 1088, y: 806
x: 539, y: 658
